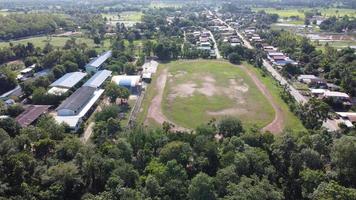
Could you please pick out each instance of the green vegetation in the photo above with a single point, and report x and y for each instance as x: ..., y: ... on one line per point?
x: 299, y: 12
x: 291, y: 121
x: 226, y: 80
x: 23, y: 25
x: 131, y: 16
x: 55, y: 41
x: 160, y: 4
x: 127, y: 16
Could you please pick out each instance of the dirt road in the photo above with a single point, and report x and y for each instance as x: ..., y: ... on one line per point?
x: 277, y: 125
x: 155, y: 110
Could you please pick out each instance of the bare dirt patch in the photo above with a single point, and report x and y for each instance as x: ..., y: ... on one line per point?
x: 228, y: 111
x: 277, y: 125
x: 183, y: 90
x: 155, y: 110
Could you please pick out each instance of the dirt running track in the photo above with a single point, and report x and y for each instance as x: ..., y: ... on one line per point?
x: 155, y: 110
x: 277, y: 125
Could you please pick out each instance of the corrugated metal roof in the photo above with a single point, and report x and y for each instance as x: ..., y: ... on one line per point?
x: 78, y: 99
x: 125, y: 80
x: 97, y: 62
x: 98, y: 78
x: 31, y: 114
x: 69, y: 80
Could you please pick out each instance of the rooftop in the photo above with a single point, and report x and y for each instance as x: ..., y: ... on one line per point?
x: 78, y: 99
x: 98, y: 78
x: 69, y: 80
x: 124, y: 80
x: 97, y: 62
x: 336, y: 94
x: 30, y: 114
x: 72, y: 121
x: 307, y: 76
x: 57, y: 91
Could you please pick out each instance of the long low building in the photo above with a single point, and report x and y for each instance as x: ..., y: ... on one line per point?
x: 66, y: 82
x: 75, y: 102
x: 97, y: 62
x: 98, y: 78
x: 73, y: 110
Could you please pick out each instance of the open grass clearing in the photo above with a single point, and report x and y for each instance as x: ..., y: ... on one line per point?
x: 41, y: 41
x: 299, y: 12
x: 201, y: 90
x: 160, y: 4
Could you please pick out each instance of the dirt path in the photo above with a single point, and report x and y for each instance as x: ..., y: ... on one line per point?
x: 277, y: 125
x: 155, y: 110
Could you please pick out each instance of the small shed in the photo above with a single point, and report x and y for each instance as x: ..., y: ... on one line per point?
x: 31, y: 114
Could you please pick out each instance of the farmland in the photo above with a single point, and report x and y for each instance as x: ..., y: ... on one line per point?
x: 299, y: 12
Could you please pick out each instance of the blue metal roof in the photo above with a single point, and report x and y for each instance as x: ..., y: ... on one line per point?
x: 98, y: 78
x: 69, y: 80
x: 97, y: 62
x: 125, y: 82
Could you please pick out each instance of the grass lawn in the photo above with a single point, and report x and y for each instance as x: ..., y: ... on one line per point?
x: 328, y: 12
x: 160, y: 4
x: 132, y: 16
x: 292, y: 122
x: 337, y: 44
x: 219, y: 92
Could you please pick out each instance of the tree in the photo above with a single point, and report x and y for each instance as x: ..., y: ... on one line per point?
x: 176, y: 150
x: 64, y: 181
x: 97, y: 40
x: 253, y: 189
x: 152, y: 186
x: 112, y: 90
x: 313, y: 113
x: 344, y: 160
x: 224, y: 177
x: 15, y: 110
x: 10, y: 126
x: 234, y: 58
x: 201, y: 188
x: 70, y: 66
x: 107, y: 112
x: 332, y: 190
x: 230, y: 126
x: 147, y: 47
x: 311, y: 180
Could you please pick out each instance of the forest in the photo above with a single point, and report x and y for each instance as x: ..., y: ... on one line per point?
x: 45, y: 162
x: 15, y: 26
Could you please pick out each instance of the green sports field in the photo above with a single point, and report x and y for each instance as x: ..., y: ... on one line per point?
x: 201, y: 90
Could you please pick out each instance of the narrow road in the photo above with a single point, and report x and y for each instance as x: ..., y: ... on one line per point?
x: 155, y: 109
x: 217, y: 52
x: 277, y: 125
x: 330, y: 125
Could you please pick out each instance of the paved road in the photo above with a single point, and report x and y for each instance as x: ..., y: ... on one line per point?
x: 331, y: 125
x: 217, y: 52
